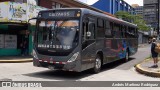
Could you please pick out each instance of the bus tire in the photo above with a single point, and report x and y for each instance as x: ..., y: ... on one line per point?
x: 97, y: 64
x: 127, y: 56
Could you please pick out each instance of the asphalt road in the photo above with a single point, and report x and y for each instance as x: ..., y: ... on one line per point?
x: 117, y: 71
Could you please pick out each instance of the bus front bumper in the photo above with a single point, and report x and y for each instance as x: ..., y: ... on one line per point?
x: 66, y: 66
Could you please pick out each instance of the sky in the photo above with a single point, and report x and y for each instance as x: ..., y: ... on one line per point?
x: 139, y: 2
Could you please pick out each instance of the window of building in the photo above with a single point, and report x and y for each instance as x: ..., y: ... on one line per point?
x: 116, y: 5
x: 56, y: 5
x: 121, y: 7
x: 120, y: 2
x: 53, y: 5
x: 112, y: 6
x: 129, y: 7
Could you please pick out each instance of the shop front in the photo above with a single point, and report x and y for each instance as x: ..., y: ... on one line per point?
x: 12, y: 36
x: 16, y: 36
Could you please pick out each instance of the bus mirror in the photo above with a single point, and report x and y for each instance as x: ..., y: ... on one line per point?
x: 32, y: 21
x: 88, y: 34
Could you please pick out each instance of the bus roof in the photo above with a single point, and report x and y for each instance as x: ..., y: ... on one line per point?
x: 91, y: 12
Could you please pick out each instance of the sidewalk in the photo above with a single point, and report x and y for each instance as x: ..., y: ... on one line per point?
x: 145, y: 68
x: 143, y: 45
x: 15, y: 59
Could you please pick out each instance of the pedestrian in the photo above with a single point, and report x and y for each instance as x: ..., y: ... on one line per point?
x: 154, y: 54
x: 24, y: 48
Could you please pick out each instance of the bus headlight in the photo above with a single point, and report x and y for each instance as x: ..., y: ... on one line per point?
x: 74, y: 57
x: 34, y: 54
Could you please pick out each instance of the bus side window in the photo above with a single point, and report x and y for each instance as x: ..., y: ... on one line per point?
x: 85, y: 29
x: 116, y: 31
x: 136, y: 32
x: 121, y: 31
x: 100, y: 28
x: 88, y: 28
x: 92, y: 30
x: 111, y: 25
x: 108, y: 32
x: 132, y: 32
x: 127, y: 32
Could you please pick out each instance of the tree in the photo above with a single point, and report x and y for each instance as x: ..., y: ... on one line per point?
x: 123, y: 15
x: 136, y: 19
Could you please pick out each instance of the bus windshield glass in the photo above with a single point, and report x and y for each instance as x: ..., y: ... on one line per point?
x: 57, y: 34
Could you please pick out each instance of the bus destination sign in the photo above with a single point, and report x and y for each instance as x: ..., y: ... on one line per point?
x: 60, y: 14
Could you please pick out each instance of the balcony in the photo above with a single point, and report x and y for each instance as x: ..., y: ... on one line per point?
x: 18, y: 12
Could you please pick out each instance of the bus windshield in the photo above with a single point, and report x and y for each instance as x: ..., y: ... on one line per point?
x: 57, y: 34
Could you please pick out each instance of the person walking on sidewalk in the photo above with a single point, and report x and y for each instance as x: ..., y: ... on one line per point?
x: 24, y: 48
x: 154, y: 54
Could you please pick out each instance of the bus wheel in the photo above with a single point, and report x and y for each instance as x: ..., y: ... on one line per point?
x: 97, y: 65
x: 127, y: 56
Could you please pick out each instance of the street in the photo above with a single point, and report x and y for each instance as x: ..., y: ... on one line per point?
x: 117, y: 71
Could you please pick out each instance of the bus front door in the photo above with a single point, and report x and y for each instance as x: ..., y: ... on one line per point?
x: 88, y: 43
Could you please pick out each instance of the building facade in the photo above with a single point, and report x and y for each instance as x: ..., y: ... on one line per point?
x: 51, y: 4
x: 112, y: 6
x: 151, y: 13
x: 138, y: 9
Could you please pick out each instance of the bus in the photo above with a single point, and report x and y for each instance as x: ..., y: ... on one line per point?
x: 77, y: 39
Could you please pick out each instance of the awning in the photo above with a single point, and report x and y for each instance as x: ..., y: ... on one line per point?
x: 3, y: 27
x: 12, y: 26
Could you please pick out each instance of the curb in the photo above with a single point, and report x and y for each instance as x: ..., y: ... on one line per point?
x: 15, y: 61
x: 146, y: 72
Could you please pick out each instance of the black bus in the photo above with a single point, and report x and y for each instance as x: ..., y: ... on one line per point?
x: 78, y: 39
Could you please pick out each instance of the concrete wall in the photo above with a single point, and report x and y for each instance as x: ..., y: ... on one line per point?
x: 140, y: 40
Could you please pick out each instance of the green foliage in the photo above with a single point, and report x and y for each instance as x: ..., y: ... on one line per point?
x: 136, y: 19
